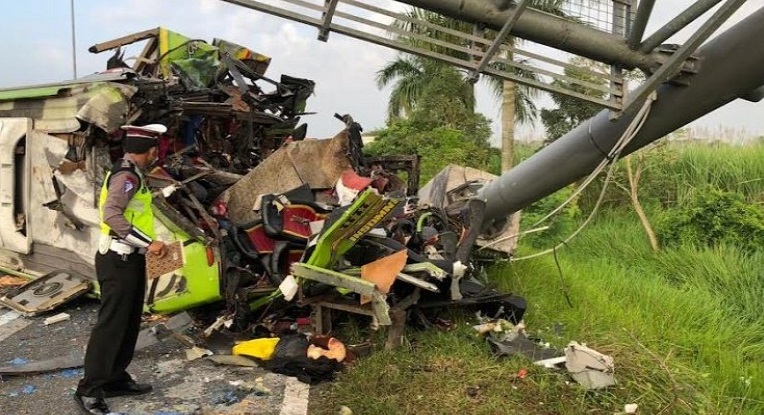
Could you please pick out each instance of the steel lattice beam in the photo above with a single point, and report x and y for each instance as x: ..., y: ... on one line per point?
x: 500, y: 38
x: 323, y: 32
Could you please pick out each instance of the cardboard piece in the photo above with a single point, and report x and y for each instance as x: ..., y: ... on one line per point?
x: 174, y: 260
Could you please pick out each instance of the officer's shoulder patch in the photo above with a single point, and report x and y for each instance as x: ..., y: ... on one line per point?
x: 130, y: 183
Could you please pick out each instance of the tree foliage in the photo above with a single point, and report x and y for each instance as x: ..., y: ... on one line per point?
x: 571, y: 111
x: 443, y: 130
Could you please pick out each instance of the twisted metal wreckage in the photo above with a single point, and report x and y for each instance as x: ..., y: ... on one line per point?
x: 257, y: 211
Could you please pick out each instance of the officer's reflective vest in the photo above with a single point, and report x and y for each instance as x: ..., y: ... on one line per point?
x: 138, y: 212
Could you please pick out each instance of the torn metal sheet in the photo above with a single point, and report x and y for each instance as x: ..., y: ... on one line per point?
x: 105, y: 104
x: 47, y: 292
x: 383, y: 272
x: 410, y: 279
x: 379, y: 304
x: 337, y: 279
x: 73, y: 360
x: 455, y: 184
x: 428, y: 268
x: 590, y: 368
x: 317, y: 163
x: 368, y: 211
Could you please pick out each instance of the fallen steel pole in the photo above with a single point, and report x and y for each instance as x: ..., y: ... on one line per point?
x: 730, y: 67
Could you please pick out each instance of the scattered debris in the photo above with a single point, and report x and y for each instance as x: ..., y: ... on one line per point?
x: 257, y: 387
x: 630, y: 408
x: 225, y: 398
x: 232, y: 360
x: 590, y: 368
x: 56, y: 319
x: 75, y: 359
x: 195, y: 353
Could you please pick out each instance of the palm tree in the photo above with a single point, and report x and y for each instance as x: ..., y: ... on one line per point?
x: 410, y: 74
x: 517, y: 100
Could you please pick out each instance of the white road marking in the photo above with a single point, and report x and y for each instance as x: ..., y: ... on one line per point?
x: 296, y: 396
x: 10, y: 324
x: 8, y: 317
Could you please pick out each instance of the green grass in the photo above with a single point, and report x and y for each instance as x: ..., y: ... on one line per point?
x: 682, y: 327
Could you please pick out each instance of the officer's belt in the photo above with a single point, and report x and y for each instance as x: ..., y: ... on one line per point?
x: 124, y: 248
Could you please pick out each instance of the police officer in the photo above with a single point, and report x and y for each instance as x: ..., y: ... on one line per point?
x: 127, y: 234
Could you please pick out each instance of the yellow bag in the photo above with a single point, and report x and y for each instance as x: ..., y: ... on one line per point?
x: 259, y: 348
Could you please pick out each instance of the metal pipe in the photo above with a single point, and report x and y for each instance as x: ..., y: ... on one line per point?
x: 678, y: 23
x: 546, y: 29
x: 74, y: 42
x: 644, y: 10
x: 730, y: 68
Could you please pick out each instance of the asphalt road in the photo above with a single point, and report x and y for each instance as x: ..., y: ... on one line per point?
x: 181, y: 387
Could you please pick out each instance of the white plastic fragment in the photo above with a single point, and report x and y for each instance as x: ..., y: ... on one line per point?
x: 289, y: 287
x: 56, y: 319
x: 630, y: 408
x: 551, y: 363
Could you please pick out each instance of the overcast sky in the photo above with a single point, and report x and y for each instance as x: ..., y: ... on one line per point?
x: 37, y: 48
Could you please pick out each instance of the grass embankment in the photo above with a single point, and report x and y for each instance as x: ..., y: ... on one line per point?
x: 684, y: 327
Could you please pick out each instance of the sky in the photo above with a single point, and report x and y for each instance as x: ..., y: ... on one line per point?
x: 37, y: 49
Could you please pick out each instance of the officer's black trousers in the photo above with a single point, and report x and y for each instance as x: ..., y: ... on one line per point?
x: 112, y: 341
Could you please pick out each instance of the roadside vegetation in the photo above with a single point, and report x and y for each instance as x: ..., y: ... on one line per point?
x: 683, y: 324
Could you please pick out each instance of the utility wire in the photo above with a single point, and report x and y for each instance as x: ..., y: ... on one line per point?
x: 623, y: 141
